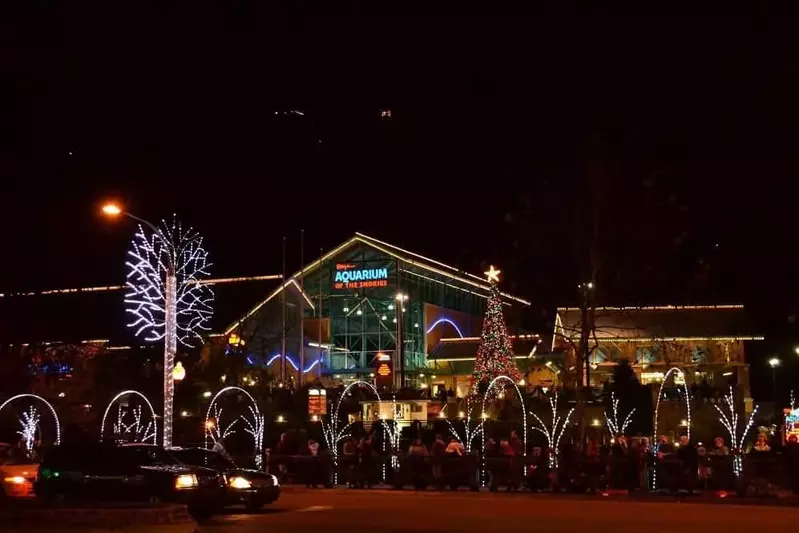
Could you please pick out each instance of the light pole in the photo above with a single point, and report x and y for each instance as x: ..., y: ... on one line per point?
x: 400, y: 309
x: 170, y: 319
x: 774, y: 362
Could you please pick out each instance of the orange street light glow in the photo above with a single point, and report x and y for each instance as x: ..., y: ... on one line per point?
x: 112, y: 210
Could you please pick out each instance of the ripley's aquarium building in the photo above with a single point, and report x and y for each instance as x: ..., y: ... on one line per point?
x: 368, y: 310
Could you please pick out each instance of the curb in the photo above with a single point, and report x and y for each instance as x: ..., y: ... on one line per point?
x: 712, y: 498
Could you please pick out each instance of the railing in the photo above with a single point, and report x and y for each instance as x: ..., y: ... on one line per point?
x: 574, y: 474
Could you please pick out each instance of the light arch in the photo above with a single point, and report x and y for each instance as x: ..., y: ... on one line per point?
x: 484, y: 417
x: 127, y: 393
x: 45, y: 402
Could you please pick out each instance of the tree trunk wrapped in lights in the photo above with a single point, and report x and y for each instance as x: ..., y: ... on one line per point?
x: 495, y: 355
x: 166, y: 296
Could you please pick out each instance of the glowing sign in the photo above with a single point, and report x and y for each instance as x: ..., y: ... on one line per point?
x: 384, y: 370
x: 350, y: 276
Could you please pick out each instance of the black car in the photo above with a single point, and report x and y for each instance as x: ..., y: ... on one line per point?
x: 252, y: 488
x: 133, y: 472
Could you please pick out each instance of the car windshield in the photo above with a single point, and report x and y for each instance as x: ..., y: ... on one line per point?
x: 205, y: 458
x: 147, y: 455
x: 13, y: 456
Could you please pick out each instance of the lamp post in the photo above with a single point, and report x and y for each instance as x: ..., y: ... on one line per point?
x: 774, y: 362
x: 401, y: 299
x: 170, y: 319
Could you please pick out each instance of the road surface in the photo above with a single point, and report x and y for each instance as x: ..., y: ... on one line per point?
x: 351, y: 511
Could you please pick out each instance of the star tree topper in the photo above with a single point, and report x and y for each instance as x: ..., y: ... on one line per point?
x: 492, y: 274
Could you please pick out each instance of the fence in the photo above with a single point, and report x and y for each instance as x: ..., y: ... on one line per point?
x: 573, y: 474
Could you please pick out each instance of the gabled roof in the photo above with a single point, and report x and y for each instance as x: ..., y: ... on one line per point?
x: 473, y: 284
x: 660, y: 323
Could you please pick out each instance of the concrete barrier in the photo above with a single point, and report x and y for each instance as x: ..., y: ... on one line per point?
x: 33, y: 518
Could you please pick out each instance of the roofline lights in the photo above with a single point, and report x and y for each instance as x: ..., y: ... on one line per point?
x: 660, y: 308
x: 106, y: 288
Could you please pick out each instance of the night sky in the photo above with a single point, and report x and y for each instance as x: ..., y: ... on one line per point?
x: 668, y: 147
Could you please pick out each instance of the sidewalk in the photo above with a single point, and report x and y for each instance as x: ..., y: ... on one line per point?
x: 706, y: 497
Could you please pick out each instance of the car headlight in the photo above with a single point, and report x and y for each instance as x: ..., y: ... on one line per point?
x: 274, y: 481
x: 15, y: 480
x: 186, y: 481
x: 238, y: 482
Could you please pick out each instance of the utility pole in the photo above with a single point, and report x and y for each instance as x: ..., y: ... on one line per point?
x: 583, y: 364
x: 302, y: 310
x: 283, y: 321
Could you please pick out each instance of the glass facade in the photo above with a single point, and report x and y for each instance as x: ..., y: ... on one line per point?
x: 367, y: 317
x: 367, y: 307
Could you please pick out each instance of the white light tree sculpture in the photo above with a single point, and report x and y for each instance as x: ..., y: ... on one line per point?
x: 133, y: 430
x: 554, y: 432
x: 614, y: 427
x: 730, y: 422
x: 166, y: 295
x: 30, y: 426
x: 332, y: 430
x: 218, y: 431
x: 469, y: 432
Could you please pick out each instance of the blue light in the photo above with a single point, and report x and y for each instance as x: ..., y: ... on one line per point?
x: 448, y: 321
x: 292, y: 363
x: 250, y: 360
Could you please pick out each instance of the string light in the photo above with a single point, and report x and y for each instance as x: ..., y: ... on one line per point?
x: 30, y: 425
x: 554, y: 432
x: 165, y: 295
x: 393, y: 433
x: 495, y: 355
x: 469, y: 432
x: 657, y: 410
x: 491, y: 386
x: 45, y: 402
x: 119, y: 426
x: 331, y: 431
x: 613, y: 421
x: 135, y: 431
x: 255, y: 425
x: 730, y: 422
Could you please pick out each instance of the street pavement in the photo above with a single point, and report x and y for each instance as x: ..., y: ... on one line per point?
x: 364, y: 511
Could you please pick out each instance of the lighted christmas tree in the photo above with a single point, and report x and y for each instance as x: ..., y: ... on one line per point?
x: 495, y: 353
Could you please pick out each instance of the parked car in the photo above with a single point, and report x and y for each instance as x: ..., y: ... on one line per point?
x: 252, y: 488
x: 132, y: 472
x: 17, y: 472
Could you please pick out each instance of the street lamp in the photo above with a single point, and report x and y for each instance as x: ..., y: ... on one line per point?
x: 155, y: 294
x: 774, y: 362
x: 399, y: 380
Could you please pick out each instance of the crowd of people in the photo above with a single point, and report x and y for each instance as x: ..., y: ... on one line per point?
x: 625, y: 463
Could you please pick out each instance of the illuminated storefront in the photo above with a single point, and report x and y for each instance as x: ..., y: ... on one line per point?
x: 367, y: 310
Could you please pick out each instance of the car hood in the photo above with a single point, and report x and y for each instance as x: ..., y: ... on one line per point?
x: 180, y: 469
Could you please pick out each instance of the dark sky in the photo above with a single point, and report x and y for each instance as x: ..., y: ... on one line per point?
x: 510, y: 140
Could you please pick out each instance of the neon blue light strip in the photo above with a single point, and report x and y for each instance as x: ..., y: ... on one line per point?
x: 291, y: 361
x: 448, y: 321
